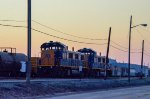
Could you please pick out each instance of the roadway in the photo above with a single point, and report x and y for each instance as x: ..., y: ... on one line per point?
x: 123, y: 93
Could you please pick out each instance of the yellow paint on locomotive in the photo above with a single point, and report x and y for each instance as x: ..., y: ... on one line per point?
x: 34, y: 63
x: 47, y: 58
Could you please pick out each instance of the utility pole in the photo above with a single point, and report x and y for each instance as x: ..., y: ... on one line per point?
x: 28, y: 74
x: 129, y: 49
x: 142, y: 59
x: 144, y: 25
x: 107, y: 54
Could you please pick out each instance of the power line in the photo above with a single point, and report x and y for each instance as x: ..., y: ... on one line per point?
x: 54, y: 29
x: 72, y: 40
x: 122, y: 49
x: 12, y: 21
x: 119, y: 45
x: 54, y: 35
x: 13, y: 25
x: 118, y: 48
x: 146, y: 30
x: 143, y: 36
x: 147, y: 54
x: 82, y: 42
x: 67, y: 39
x: 65, y: 33
x: 147, y: 51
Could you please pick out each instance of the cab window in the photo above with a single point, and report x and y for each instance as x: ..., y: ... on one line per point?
x: 82, y: 57
x: 71, y: 55
x: 99, y: 59
x: 76, y: 56
x: 103, y: 60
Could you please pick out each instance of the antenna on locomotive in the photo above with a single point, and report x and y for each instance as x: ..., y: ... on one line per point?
x: 72, y: 48
x: 100, y: 54
x: 66, y: 47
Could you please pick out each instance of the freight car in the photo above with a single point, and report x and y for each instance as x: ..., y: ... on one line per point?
x: 10, y: 62
x: 57, y: 61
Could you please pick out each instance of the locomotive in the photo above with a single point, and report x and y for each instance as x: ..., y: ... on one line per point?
x: 57, y: 61
x: 10, y: 62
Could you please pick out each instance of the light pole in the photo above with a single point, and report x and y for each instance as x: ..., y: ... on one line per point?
x: 28, y: 74
x: 130, y: 44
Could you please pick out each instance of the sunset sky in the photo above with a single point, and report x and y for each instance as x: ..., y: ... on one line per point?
x: 84, y: 18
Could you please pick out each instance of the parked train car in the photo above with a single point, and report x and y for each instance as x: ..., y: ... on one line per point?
x: 10, y: 62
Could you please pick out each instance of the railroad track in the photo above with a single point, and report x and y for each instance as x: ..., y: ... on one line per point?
x: 18, y: 80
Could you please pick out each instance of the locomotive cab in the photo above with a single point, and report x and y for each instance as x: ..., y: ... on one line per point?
x: 88, y: 57
x: 51, y: 53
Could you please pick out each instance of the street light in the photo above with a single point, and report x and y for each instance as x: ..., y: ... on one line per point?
x: 130, y: 45
x: 144, y: 25
x: 139, y: 25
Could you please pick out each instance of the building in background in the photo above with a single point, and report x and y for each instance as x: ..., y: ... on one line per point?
x: 121, y: 69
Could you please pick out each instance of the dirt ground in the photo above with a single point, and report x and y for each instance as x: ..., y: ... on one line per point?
x: 39, y: 89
